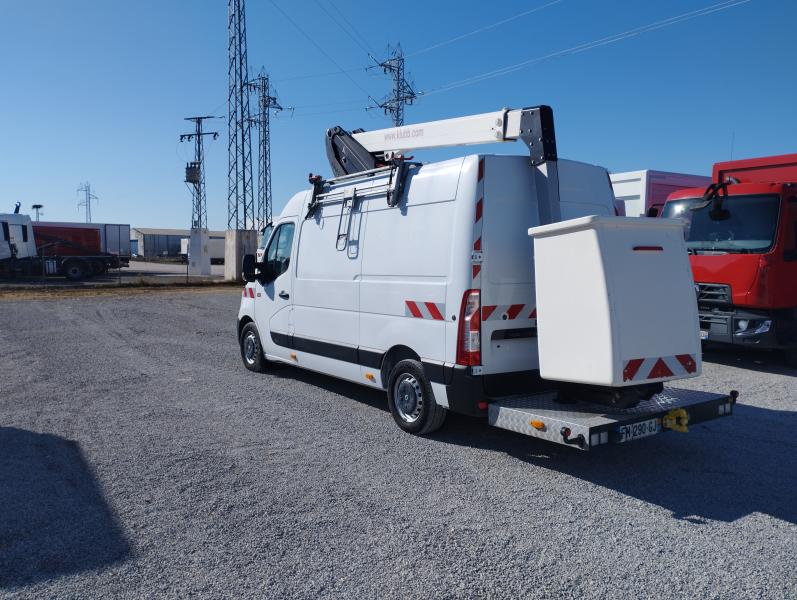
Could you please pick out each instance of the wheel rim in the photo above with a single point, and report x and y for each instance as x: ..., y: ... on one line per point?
x: 408, y: 398
x: 250, y: 348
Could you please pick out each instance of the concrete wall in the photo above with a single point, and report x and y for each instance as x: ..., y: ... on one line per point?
x: 238, y: 243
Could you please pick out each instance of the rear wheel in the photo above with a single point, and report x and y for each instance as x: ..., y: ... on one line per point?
x: 411, y: 401
x: 251, y: 349
x: 75, y: 270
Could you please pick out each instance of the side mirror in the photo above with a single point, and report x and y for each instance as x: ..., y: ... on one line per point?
x: 653, y: 211
x: 248, y: 267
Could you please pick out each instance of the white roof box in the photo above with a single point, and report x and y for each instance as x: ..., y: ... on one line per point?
x: 616, y: 302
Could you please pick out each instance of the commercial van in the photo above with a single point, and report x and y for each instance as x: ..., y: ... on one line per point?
x: 419, y: 279
x: 370, y: 292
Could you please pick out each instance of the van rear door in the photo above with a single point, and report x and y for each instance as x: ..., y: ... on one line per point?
x: 509, y: 208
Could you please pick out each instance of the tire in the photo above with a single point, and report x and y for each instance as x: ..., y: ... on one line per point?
x: 411, y: 401
x: 791, y: 357
x: 75, y: 270
x: 251, y: 349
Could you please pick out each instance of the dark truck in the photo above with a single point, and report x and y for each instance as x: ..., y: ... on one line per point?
x: 741, y: 234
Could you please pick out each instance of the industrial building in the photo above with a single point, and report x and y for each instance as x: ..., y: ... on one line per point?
x: 149, y: 242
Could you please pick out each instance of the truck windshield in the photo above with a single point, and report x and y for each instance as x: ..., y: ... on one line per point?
x: 750, y: 226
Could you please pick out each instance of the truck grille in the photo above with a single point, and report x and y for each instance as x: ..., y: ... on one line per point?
x: 713, y: 293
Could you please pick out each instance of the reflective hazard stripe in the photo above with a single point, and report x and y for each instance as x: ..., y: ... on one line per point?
x: 659, y: 367
x: 509, y: 312
x: 476, y: 267
x: 248, y: 292
x: 424, y: 310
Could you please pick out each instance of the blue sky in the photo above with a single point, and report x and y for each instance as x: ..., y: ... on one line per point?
x: 97, y: 90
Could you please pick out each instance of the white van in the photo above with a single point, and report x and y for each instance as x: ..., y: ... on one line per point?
x: 431, y: 299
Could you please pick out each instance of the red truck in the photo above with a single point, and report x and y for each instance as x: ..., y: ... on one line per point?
x: 74, y: 250
x: 741, y: 234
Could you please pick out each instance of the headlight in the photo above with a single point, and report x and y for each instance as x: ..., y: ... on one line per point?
x: 749, y: 327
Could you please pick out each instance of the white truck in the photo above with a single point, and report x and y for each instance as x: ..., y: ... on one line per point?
x: 419, y: 279
x: 643, y: 193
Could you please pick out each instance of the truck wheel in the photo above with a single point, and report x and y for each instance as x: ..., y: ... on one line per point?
x: 411, y: 401
x: 252, y: 349
x: 75, y: 270
x: 791, y: 357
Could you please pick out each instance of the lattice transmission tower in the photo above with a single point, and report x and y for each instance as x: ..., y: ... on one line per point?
x: 87, y: 198
x: 403, y: 91
x: 240, y: 198
x: 266, y: 102
x: 195, y: 173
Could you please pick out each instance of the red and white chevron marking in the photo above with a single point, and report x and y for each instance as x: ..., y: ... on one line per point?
x: 248, y: 292
x: 424, y: 310
x: 659, y: 367
x: 509, y: 312
x: 477, y: 227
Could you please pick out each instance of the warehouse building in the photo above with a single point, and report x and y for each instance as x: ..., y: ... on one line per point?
x: 159, y: 243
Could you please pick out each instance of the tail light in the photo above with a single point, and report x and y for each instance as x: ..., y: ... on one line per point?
x: 470, y: 330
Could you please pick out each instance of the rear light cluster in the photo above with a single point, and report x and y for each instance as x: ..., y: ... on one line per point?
x: 470, y: 330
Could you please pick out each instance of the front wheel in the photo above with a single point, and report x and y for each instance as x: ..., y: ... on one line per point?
x: 411, y: 401
x: 252, y: 349
x: 75, y: 270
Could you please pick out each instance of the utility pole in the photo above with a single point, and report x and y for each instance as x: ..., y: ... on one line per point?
x: 195, y: 172
x: 265, y: 104
x: 37, y: 208
x: 403, y: 92
x: 87, y: 198
x: 240, y: 199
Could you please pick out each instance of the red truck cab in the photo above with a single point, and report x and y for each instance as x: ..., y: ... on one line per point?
x: 741, y: 234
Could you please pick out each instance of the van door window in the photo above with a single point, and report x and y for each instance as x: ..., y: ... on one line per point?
x: 279, y: 250
x: 6, y: 235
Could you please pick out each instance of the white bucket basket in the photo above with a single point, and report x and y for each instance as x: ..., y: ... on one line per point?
x: 616, y: 302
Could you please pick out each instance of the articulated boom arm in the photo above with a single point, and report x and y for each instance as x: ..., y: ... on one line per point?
x: 533, y: 126
x: 362, y: 151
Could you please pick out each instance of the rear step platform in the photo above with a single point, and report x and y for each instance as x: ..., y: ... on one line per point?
x: 584, y: 425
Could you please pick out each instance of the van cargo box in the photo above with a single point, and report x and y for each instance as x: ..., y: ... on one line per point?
x: 615, y: 302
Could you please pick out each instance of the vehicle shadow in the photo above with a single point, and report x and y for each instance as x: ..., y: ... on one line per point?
x: 54, y: 519
x: 721, y: 470
x: 743, y: 358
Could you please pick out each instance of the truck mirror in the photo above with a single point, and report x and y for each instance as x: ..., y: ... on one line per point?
x: 248, y: 267
x: 653, y: 211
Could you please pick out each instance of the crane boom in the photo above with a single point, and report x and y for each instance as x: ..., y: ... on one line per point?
x: 533, y: 126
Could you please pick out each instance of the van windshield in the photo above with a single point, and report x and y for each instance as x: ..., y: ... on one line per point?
x: 749, y: 228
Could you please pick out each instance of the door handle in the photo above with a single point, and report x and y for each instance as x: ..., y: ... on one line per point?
x: 284, y: 294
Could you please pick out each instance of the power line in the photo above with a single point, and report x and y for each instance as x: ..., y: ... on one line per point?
x: 348, y: 31
x: 482, y: 29
x: 320, y: 49
x: 587, y: 45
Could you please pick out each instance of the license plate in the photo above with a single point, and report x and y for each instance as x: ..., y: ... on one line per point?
x: 634, y: 431
x: 703, y: 334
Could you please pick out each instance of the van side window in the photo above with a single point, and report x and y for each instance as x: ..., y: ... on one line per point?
x: 279, y: 250
x: 24, y: 233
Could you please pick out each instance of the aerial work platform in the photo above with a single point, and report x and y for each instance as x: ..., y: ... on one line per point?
x: 585, y: 425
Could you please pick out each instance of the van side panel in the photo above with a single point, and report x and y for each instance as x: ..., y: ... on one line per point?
x: 326, y: 291
x: 406, y: 262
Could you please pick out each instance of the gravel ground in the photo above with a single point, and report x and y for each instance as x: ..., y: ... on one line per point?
x: 139, y: 458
